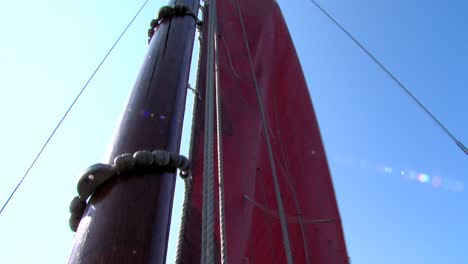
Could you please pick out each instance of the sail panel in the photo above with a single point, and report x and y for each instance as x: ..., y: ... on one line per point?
x: 252, y: 216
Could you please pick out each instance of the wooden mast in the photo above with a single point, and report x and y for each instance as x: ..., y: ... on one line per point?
x: 128, y: 219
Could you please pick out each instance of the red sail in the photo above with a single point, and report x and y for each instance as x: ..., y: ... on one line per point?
x: 253, y: 226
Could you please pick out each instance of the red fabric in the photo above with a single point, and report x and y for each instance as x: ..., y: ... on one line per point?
x: 252, y: 219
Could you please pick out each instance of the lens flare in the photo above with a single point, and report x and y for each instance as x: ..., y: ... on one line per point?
x: 423, y: 178
x: 388, y: 170
x: 458, y: 187
x: 384, y: 169
x: 436, y: 181
x: 409, y: 174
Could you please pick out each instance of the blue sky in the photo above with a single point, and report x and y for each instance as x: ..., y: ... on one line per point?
x: 400, y: 181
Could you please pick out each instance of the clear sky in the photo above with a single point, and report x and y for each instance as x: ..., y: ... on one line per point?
x: 401, y: 183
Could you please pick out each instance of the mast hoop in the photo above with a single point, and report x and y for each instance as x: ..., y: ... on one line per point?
x: 142, y: 161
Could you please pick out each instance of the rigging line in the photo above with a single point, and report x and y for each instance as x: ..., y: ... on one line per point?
x: 290, y: 219
x: 285, y: 169
x: 185, y: 207
x: 219, y: 140
x: 207, y: 253
x: 279, y: 201
x: 390, y: 74
x: 188, y: 182
x: 70, y: 107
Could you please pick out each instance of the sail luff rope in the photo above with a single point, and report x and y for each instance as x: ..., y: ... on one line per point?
x: 219, y: 140
x: 393, y: 77
x: 71, y: 106
x: 207, y: 254
x: 284, y: 228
